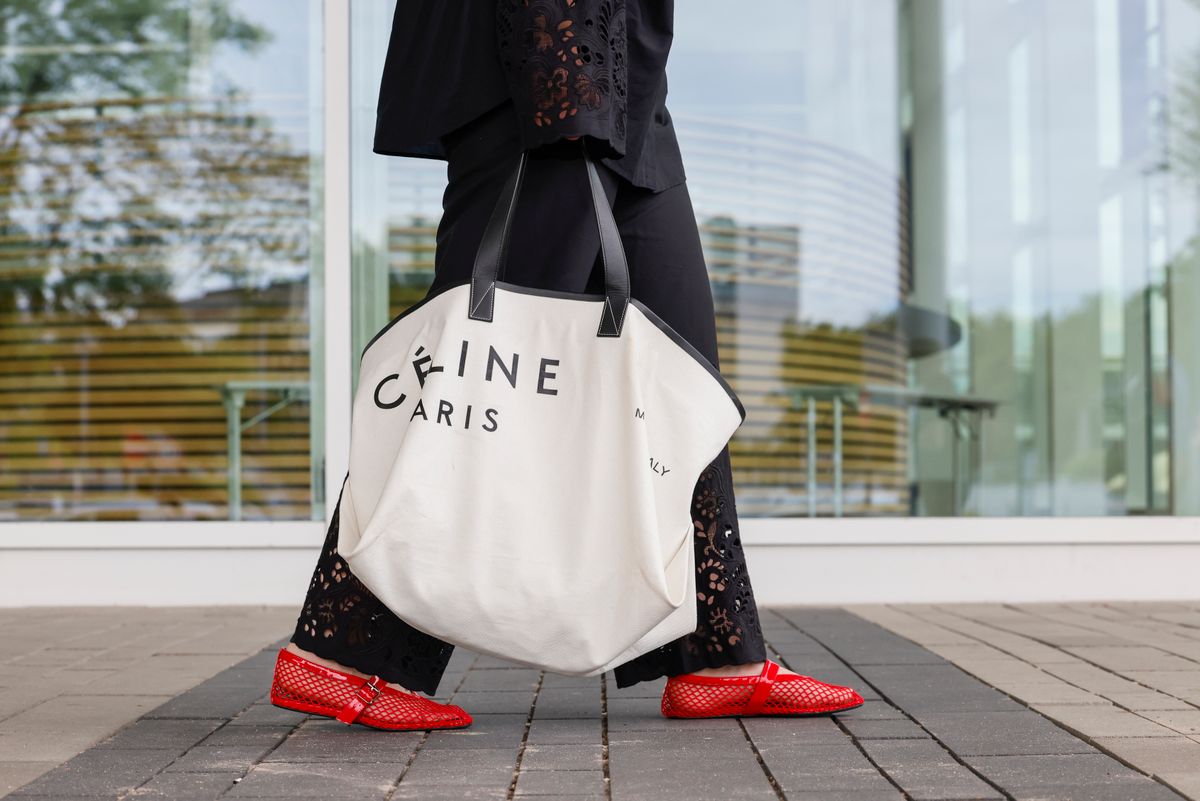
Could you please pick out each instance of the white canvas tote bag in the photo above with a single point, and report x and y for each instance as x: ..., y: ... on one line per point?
x: 522, y: 463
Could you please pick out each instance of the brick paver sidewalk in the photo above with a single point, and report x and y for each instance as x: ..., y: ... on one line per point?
x: 1087, y: 702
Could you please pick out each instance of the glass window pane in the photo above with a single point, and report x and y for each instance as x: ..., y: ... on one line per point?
x: 156, y: 249
x: 952, y: 247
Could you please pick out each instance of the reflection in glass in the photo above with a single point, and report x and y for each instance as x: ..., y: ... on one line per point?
x: 155, y: 253
x: 1048, y: 241
x: 952, y: 246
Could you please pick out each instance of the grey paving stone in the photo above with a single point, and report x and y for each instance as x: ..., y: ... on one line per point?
x: 936, y: 688
x: 1092, y: 678
x: 100, y: 772
x: 1122, y: 658
x: 66, y: 797
x: 1149, y: 791
x: 248, y: 735
x: 870, y: 653
x: 926, y: 771
x: 1051, y: 771
x: 846, y: 795
x: 633, y: 706
x: 246, y: 675
x: 1156, y: 755
x: 507, y: 679
x: 1184, y: 721
x: 840, y: 754
x: 643, y: 689
x: 212, y: 702
x: 859, y: 641
x: 1001, y: 733
x: 161, y: 733
x: 486, y: 732
x: 791, y: 638
x: 1183, y: 683
x: 1103, y: 721
x: 694, y: 769
x: 556, y: 681
x: 220, y: 758
x: 267, y: 714
x: 483, y: 768
x: 346, y: 744
x: 863, y: 778
x: 884, y: 729
x: 1187, y: 783
x: 485, y: 662
x: 566, y: 703
x: 797, y: 732
x: 642, y: 726
x: 425, y: 793
x: 552, y: 732
x: 327, y: 780
x: 652, y: 756
x: 461, y: 660
x: 187, y: 786
x: 563, y: 757
x: 561, y: 783
x: 872, y: 710
x: 832, y: 765
x: 504, y: 702
x: 1147, y: 700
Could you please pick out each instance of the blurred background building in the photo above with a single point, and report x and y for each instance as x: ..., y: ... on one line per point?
x: 953, y: 247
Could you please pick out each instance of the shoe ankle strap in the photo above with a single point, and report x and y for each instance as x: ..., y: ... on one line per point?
x: 364, y: 694
x: 762, y: 688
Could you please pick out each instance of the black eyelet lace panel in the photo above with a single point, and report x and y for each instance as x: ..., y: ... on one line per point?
x: 565, y: 62
x: 342, y: 620
x: 728, y: 631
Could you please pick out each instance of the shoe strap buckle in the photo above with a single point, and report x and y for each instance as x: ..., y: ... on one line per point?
x: 366, y: 692
x: 376, y: 686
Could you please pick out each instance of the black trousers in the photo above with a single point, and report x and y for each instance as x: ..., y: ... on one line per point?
x: 555, y: 245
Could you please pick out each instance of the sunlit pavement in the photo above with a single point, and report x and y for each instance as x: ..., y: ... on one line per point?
x: 1080, y: 701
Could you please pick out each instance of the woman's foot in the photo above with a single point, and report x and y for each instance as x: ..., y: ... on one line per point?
x: 736, y: 691
x: 310, y: 684
x: 311, y: 657
x: 747, y: 669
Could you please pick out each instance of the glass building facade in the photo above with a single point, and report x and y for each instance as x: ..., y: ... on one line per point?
x: 952, y: 246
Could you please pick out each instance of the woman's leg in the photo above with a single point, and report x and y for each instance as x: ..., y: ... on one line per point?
x: 346, y: 627
x: 554, y: 245
x: 668, y: 274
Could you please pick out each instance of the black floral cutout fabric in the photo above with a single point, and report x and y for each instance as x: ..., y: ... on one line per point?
x: 342, y: 620
x: 566, y: 65
x: 728, y: 631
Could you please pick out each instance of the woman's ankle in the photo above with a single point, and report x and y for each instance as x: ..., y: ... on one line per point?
x: 745, y: 669
x: 320, y: 660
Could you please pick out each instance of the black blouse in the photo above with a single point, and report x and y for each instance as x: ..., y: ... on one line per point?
x: 570, y: 68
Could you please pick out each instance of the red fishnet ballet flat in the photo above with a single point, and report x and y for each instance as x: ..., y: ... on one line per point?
x: 305, y: 686
x: 768, y: 693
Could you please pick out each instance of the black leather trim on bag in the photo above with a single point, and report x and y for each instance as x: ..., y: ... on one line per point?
x: 493, y: 251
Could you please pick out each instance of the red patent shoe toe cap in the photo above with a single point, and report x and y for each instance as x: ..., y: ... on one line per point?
x: 848, y: 697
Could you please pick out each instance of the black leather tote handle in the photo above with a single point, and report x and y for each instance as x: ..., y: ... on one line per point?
x: 493, y: 251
